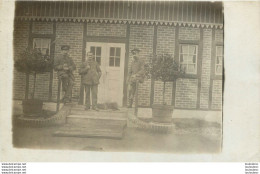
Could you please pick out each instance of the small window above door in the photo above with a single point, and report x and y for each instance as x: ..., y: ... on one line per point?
x: 114, y: 57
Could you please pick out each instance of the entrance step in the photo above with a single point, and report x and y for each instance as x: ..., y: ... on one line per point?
x: 80, y: 117
x: 91, y: 131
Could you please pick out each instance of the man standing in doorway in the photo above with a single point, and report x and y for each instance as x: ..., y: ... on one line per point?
x: 91, y: 73
x: 65, y: 67
x: 136, y: 74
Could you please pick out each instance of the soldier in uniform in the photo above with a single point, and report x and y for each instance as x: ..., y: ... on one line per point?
x: 65, y: 67
x: 91, y: 73
x: 136, y: 74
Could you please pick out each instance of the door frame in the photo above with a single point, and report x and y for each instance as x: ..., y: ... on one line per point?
x: 123, y: 65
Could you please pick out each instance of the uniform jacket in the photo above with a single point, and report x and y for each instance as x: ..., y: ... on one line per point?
x: 90, y: 72
x: 136, y: 71
x: 59, y: 64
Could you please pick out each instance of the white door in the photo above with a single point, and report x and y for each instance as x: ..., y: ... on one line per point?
x: 111, y: 57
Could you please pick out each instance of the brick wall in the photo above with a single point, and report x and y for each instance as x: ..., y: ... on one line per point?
x: 21, y: 34
x: 41, y: 86
x: 216, y: 94
x: 141, y: 36
x: 186, y: 93
x: 219, y: 36
x: 165, y: 45
x: 205, y: 72
x: 189, y: 33
x: 101, y: 29
x: 71, y: 34
x: 42, y: 27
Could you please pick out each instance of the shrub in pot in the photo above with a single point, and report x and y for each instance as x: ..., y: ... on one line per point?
x: 33, y: 61
x: 163, y: 68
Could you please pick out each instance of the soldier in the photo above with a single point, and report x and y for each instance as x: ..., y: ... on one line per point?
x: 136, y: 74
x: 65, y: 67
x: 91, y: 73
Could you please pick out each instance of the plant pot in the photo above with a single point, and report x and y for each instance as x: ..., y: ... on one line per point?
x: 162, y: 113
x: 32, y: 106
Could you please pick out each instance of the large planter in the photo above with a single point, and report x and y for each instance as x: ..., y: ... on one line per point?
x: 32, y: 106
x: 162, y: 113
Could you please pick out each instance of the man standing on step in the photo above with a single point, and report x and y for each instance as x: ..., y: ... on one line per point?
x: 136, y: 74
x: 65, y: 67
x: 91, y: 73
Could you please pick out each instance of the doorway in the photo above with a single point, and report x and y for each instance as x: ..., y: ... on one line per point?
x: 111, y: 58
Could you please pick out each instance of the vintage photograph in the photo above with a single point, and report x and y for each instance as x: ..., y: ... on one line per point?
x: 118, y: 76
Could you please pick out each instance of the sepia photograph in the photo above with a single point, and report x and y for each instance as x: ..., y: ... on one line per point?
x: 118, y: 76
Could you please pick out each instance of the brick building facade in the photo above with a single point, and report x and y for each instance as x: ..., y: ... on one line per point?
x: 161, y: 28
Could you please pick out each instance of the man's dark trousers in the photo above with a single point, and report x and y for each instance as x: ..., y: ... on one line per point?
x: 94, y: 91
x: 67, y: 85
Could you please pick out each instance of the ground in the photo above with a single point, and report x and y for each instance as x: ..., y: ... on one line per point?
x: 190, y: 136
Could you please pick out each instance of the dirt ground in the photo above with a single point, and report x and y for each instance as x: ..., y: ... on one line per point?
x: 189, y: 136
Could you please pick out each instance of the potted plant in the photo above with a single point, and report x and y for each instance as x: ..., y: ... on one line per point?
x: 32, y: 61
x: 163, y: 68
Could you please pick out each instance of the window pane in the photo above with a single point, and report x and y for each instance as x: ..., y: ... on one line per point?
x: 45, y: 51
x: 36, y: 43
x: 184, y: 67
x: 45, y: 43
x: 112, y: 51
x: 181, y: 58
x: 192, y: 49
x: 185, y: 58
x: 194, y: 59
x: 117, y: 63
x: 92, y: 50
x: 98, y: 51
x: 189, y: 59
x: 219, y: 69
x: 184, y: 48
x: 118, y: 50
x: 191, y: 68
x: 219, y: 50
x: 98, y: 59
x: 111, y: 61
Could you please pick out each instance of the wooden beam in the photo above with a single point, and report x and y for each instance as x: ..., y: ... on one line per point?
x: 176, y: 56
x: 154, y: 54
x: 81, y: 96
x: 107, y: 39
x: 52, y: 54
x: 27, y: 75
x: 200, y: 66
x: 212, y: 72
x: 126, y: 64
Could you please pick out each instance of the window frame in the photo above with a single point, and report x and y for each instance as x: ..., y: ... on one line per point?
x: 50, y: 39
x: 197, y: 55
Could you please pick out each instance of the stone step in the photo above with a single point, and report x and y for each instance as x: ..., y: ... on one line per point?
x: 83, y: 120
x: 100, y: 114
x: 91, y: 131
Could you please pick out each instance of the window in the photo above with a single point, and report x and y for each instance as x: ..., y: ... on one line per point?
x: 42, y: 44
x: 114, y: 57
x: 219, y: 60
x: 96, y: 53
x: 188, y: 58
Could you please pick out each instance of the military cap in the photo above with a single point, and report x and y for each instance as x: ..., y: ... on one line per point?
x: 135, y: 50
x: 65, y: 47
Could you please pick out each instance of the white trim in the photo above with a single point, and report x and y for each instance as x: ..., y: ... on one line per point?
x: 130, y: 21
